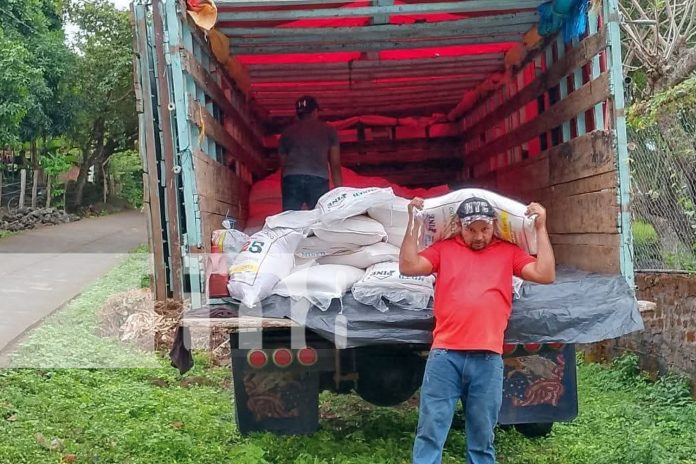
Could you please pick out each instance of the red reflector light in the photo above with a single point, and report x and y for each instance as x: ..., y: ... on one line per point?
x: 282, y: 357
x: 556, y: 346
x: 532, y: 347
x: 509, y: 348
x: 307, y: 356
x: 257, y: 358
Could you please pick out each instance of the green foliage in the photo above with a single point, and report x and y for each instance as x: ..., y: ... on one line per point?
x: 646, y: 243
x: 152, y: 414
x: 34, y: 62
x: 126, y: 168
x: 681, y: 97
x: 17, y: 76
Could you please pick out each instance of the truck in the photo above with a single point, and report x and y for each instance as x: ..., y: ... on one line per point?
x: 493, y: 94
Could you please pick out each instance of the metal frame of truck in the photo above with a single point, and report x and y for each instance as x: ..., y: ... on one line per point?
x: 184, y: 99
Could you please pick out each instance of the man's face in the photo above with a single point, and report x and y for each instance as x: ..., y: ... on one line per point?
x: 478, y: 235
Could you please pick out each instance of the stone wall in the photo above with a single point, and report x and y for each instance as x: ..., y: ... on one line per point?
x: 668, y: 342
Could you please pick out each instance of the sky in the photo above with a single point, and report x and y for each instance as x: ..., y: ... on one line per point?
x: 71, y: 29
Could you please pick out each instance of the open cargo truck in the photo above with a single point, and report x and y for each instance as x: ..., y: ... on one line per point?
x: 534, y: 118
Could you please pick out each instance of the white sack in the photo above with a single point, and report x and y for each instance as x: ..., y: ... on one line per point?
x: 229, y: 243
x: 265, y: 259
x: 319, y: 284
x: 516, y: 287
x: 229, y: 240
x: 439, y: 218
x: 299, y: 220
x: 344, y: 202
x: 365, y: 256
x: 358, y: 230
x: 383, y: 281
x: 313, y: 247
x: 394, y: 217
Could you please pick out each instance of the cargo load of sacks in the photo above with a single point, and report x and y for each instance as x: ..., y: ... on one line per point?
x: 350, y: 242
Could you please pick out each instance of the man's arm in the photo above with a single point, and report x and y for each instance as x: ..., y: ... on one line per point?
x: 410, y: 262
x: 543, y: 271
x: 335, y: 163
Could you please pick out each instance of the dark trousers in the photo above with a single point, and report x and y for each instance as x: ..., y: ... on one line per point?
x: 302, y: 189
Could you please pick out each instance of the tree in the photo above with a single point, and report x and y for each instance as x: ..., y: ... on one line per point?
x: 33, y: 60
x: 105, y: 122
x: 659, y: 37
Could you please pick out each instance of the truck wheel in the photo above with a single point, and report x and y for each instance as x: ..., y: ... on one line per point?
x: 388, y: 379
x: 535, y: 430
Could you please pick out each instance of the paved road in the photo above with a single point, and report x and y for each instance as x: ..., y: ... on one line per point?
x: 42, y: 269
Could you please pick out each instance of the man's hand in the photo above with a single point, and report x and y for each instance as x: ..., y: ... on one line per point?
x: 535, y: 209
x: 417, y: 202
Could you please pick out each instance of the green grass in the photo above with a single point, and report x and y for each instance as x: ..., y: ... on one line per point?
x: 7, y: 233
x: 153, y: 415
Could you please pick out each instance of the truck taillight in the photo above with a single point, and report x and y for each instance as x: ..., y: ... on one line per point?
x: 307, y: 356
x: 532, y: 347
x: 509, y: 348
x: 282, y: 357
x: 257, y: 358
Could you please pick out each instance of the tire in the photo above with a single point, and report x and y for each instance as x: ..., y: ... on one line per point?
x: 388, y: 378
x: 535, y: 430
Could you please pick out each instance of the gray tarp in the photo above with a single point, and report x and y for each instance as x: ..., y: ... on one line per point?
x: 579, y: 307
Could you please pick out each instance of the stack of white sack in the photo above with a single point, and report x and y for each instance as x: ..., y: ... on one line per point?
x: 440, y: 218
x: 265, y: 198
x: 384, y: 283
x: 229, y: 242
x: 267, y: 258
x: 319, y: 284
x: 297, y: 246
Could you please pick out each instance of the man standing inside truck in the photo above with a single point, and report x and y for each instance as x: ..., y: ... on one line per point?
x: 473, y: 301
x: 307, y: 149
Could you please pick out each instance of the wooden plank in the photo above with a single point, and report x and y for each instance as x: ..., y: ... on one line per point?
x: 243, y: 322
x: 168, y: 154
x: 373, y: 158
x: 199, y: 115
x: 217, y: 180
x: 370, y: 45
x: 406, y: 109
x: 418, y: 85
x: 585, y: 156
x: 598, y: 183
x: 219, y: 207
x: 573, y: 60
x: 148, y: 149
x: 586, y: 239
x: 589, y: 95
x: 470, y: 6
x: 594, y: 212
x: 353, y: 101
x: 377, y: 64
x: 591, y: 258
x: 415, y: 177
x: 227, y: 4
x: 206, y: 81
x: 526, y: 177
x: 388, y: 69
x: 345, y: 76
x: 426, y: 29
x: 520, y: 22
x: 588, y: 155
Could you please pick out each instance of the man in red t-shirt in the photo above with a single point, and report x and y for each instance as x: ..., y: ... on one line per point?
x: 473, y: 301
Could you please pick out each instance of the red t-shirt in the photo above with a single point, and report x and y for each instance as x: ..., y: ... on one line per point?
x: 473, y: 292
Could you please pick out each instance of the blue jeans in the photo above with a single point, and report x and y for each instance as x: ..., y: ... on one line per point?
x: 477, y: 379
x: 301, y: 189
